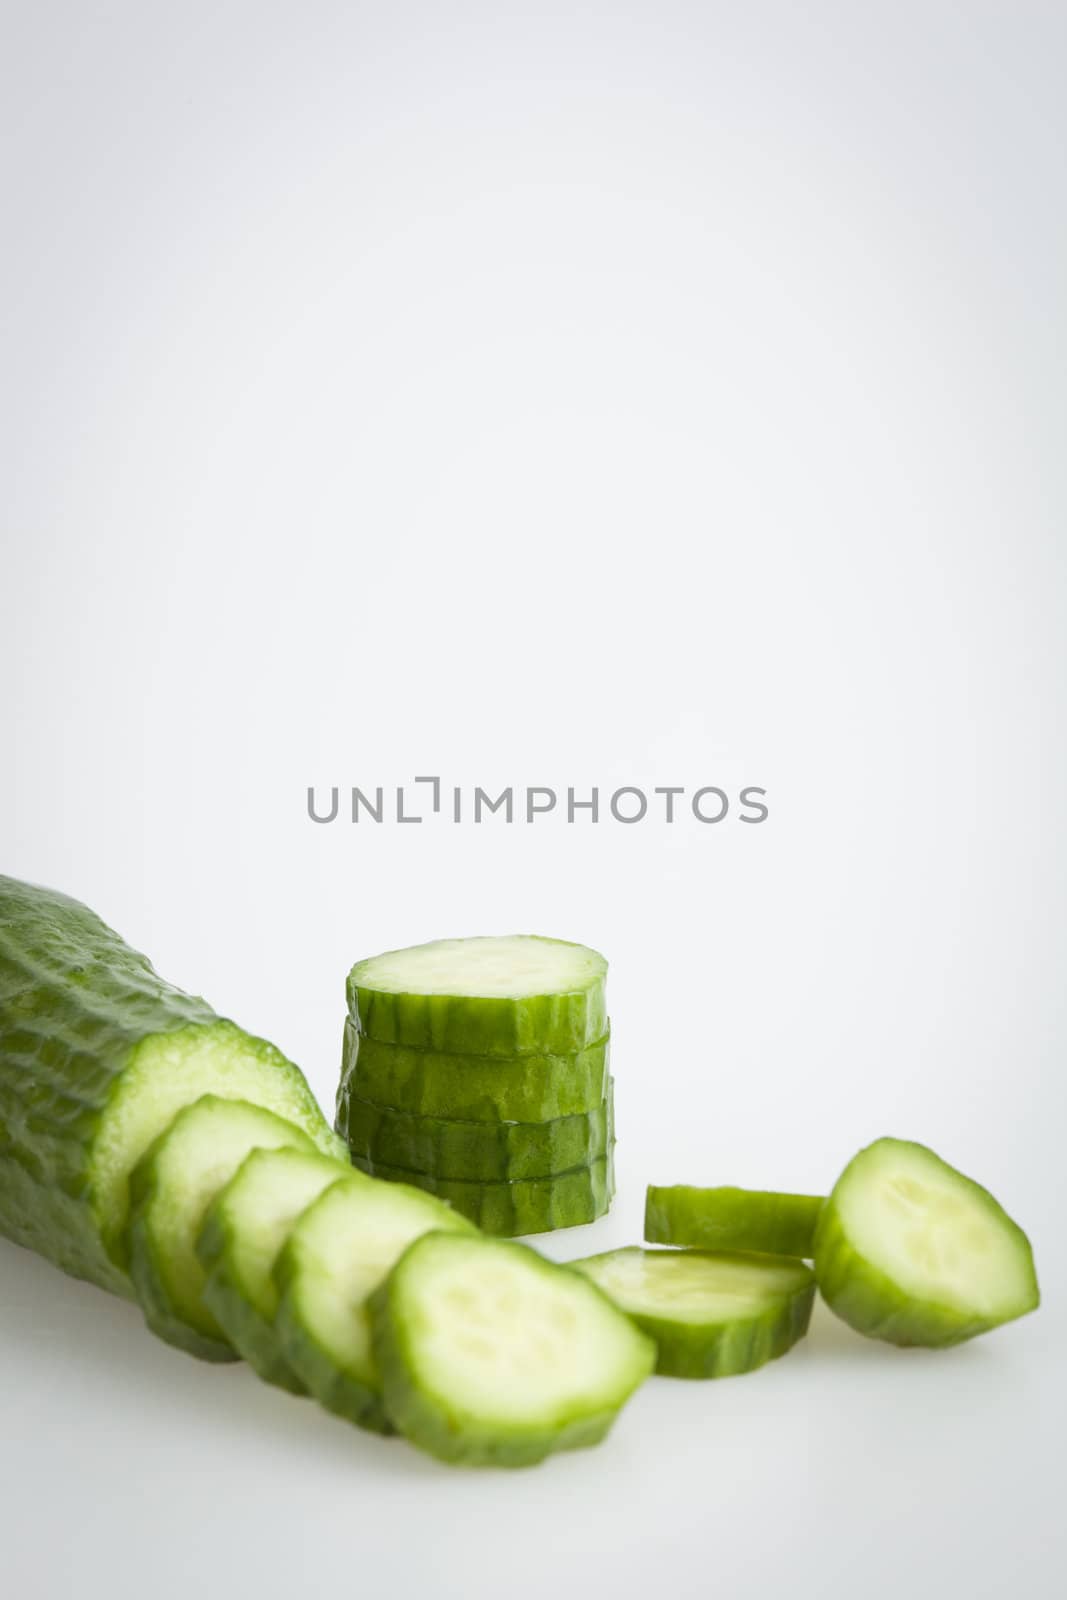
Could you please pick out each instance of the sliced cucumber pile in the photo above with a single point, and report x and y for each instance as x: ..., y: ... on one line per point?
x: 243, y: 1230
x: 171, y: 1188
x: 732, y: 1219
x: 491, y: 1355
x: 520, y: 995
x: 97, y: 1054
x: 711, y: 1315
x: 336, y: 1255
x: 478, y: 1070
x: 910, y: 1251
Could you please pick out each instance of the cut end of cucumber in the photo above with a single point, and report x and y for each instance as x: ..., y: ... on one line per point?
x: 517, y: 966
x: 912, y: 1251
x: 490, y: 1353
x: 171, y: 1189
x: 172, y: 1070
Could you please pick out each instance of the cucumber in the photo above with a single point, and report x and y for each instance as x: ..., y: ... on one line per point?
x: 529, y: 1205
x: 483, y: 1152
x: 337, y: 1254
x: 171, y: 1188
x: 732, y: 1219
x: 492, y: 1356
x: 97, y: 1053
x: 712, y: 1315
x: 245, y: 1227
x: 473, y: 1088
x: 520, y: 995
x: 911, y: 1251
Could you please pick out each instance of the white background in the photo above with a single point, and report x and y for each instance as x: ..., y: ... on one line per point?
x: 558, y: 394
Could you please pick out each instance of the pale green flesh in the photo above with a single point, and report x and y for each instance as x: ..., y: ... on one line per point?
x: 206, y: 1144
x: 256, y: 1211
x: 339, y: 1252
x: 174, y: 1070
x: 516, y: 967
x: 693, y: 1286
x: 498, y: 1334
x: 935, y: 1235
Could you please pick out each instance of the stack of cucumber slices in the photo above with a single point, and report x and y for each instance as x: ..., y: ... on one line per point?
x: 477, y: 1069
x: 158, y: 1151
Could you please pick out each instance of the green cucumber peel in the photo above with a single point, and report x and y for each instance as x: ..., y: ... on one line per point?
x: 732, y: 1219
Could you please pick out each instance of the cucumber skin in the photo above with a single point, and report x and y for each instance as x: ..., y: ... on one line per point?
x: 480, y: 1152
x: 474, y: 1088
x: 528, y: 1205
x: 436, y: 1428
x: 732, y: 1219
x: 550, y: 1024
x: 868, y: 1300
x: 75, y: 1003
x: 730, y: 1351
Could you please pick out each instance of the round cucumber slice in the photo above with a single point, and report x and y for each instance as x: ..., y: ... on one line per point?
x: 492, y: 1356
x: 336, y: 1255
x: 473, y: 1088
x: 244, y: 1228
x: 911, y: 1251
x: 712, y: 1315
x: 482, y: 1152
x: 171, y: 1188
x: 519, y: 995
x: 732, y: 1219
x: 529, y: 1205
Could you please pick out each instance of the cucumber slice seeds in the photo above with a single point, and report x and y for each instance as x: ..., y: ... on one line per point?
x: 337, y: 1254
x: 480, y: 1152
x: 518, y: 995
x: 492, y: 1356
x: 529, y: 1205
x: 911, y: 1251
x: 712, y: 1315
x: 732, y: 1219
x: 171, y: 1188
x: 244, y: 1229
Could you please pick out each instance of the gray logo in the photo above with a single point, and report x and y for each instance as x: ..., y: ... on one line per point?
x: 669, y: 803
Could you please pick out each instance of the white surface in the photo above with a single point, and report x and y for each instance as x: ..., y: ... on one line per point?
x: 648, y: 394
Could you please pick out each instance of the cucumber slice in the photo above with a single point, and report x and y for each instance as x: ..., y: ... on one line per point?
x: 482, y: 1152
x: 711, y: 1315
x: 244, y: 1228
x: 732, y: 1219
x: 97, y: 1054
x: 171, y: 1188
x: 529, y: 1205
x: 911, y: 1251
x: 520, y: 995
x: 337, y: 1254
x: 492, y: 1356
x: 472, y: 1088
